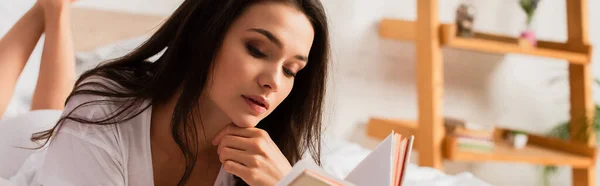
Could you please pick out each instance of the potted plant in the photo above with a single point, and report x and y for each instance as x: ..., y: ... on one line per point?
x: 529, y: 6
x: 562, y: 131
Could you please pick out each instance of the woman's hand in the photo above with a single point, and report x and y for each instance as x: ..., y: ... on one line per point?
x: 250, y: 154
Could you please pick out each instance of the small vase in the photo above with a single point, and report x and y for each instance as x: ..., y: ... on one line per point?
x: 529, y: 35
x: 519, y: 141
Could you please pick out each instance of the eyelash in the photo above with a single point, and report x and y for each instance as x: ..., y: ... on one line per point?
x: 255, y: 52
x: 258, y: 54
x: 288, y: 72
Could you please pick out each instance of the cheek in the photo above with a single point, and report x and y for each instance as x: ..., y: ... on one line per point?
x: 230, y: 74
x: 229, y: 66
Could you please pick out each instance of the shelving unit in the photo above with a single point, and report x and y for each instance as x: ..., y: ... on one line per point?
x: 540, y: 150
x: 433, y: 146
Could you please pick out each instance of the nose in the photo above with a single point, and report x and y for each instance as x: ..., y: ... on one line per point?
x: 271, y: 78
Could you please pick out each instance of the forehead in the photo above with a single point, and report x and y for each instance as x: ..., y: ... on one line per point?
x: 285, y: 22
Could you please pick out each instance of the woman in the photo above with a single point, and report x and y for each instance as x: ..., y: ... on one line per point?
x: 238, y: 91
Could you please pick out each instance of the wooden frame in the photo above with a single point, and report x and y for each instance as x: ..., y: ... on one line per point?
x: 433, y: 146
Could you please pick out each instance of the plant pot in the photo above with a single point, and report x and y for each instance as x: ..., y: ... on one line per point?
x: 519, y: 140
x: 529, y: 35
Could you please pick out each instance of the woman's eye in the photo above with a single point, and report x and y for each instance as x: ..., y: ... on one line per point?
x: 255, y: 52
x: 288, y: 72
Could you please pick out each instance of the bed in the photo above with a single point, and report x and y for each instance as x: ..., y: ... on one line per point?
x: 101, y: 35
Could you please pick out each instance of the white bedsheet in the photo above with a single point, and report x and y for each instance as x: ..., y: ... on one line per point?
x: 339, y: 157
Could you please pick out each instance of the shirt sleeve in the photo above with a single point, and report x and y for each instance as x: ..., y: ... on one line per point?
x: 83, y: 154
x: 71, y: 161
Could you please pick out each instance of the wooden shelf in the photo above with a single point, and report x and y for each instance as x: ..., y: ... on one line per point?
x: 406, y: 31
x: 503, y: 45
x: 380, y: 128
x: 532, y: 154
x: 397, y: 29
x: 540, y: 150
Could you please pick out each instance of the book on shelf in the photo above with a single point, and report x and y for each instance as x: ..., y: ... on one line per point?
x: 385, y: 166
x: 458, y: 127
x: 468, y: 137
x: 470, y: 133
x: 476, y: 145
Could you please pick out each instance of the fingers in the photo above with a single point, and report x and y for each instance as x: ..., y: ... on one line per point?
x: 250, y: 154
x: 238, y: 169
x: 234, y: 142
x: 238, y: 131
x: 250, y: 175
x: 245, y: 158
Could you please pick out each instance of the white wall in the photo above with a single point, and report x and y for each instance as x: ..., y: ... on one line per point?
x: 160, y: 7
x: 375, y: 77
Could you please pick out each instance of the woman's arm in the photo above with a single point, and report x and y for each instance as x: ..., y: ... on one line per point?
x: 57, y: 69
x: 15, y: 48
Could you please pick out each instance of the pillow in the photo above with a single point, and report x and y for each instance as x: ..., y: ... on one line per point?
x: 90, y: 59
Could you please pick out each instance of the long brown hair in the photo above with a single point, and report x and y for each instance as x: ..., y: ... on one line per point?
x: 190, y: 38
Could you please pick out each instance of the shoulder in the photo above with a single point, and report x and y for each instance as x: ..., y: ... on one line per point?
x: 92, y: 138
x: 84, y: 108
x: 91, y: 115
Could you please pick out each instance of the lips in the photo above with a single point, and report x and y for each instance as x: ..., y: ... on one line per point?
x: 257, y: 104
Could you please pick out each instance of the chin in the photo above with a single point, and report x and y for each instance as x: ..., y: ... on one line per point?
x: 247, y: 121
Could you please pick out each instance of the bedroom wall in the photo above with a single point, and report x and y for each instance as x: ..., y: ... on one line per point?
x: 374, y: 77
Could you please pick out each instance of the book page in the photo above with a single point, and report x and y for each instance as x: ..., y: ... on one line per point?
x: 408, y: 151
x: 308, y: 164
x: 399, y: 163
x: 376, y: 168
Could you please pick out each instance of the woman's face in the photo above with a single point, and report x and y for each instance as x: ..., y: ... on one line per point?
x: 260, y: 55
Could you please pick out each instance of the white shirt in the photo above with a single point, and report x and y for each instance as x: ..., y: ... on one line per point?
x: 102, y: 155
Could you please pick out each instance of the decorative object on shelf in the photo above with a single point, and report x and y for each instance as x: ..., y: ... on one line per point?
x: 518, y: 139
x: 529, y: 6
x: 465, y: 15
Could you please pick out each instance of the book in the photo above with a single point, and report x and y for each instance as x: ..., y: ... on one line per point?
x: 385, y: 166
x: 475, y: 145
x: 478, y: 134
x: 461, y: 128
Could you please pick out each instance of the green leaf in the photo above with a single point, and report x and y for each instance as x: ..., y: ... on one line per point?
x: 547, y: 172
x: 561, y: 131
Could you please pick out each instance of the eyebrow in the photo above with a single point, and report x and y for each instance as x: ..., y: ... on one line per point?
x: 277, y: 42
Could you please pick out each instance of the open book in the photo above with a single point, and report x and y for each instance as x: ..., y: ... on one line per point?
x: 384, y: 166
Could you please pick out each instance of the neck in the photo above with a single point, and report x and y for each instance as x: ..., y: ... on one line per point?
x: 209, y: 120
